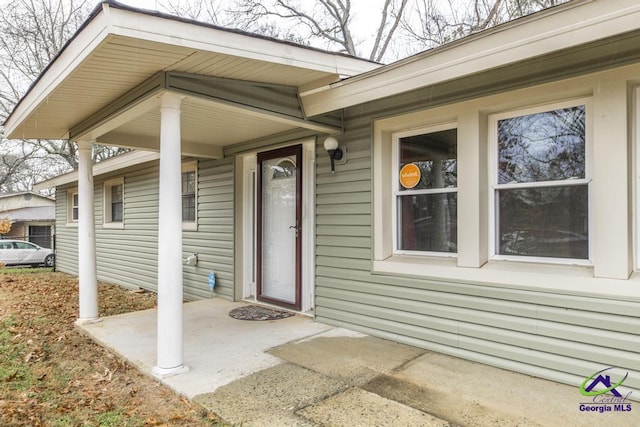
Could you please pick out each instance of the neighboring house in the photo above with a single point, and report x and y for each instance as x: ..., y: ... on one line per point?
x: 32, y: 217
x: 485, y: 204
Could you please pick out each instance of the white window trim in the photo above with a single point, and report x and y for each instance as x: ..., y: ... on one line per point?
x: 106, y: 203
x: 494, y: 186
x: 191, y: 166
x: 70, y: 221
x: 384, y: 260
x: 395, y: 187
x: 473, y: 123
x: 609, y: 135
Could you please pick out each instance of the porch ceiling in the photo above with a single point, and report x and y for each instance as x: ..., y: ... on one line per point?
x: 206, y: 127
x: 120, y: 48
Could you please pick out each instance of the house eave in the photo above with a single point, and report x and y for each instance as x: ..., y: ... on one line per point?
x: 113, y: 24
x: 539, y: 39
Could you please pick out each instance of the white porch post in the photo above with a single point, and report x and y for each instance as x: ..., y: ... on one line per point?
x: 88, y: 282
x: 169, y: 350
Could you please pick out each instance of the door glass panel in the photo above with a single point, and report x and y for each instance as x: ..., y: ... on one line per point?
x: 278, y: 229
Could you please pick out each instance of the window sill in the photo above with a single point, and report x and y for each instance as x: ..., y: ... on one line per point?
x: 116, y: 225
x: 553, y: 278
x: 72, y: 224
x: 542, y: 260
x: 189, y: 226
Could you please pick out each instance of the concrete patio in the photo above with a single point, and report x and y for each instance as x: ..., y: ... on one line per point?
x: 295, y: 371
x: 217, y: 348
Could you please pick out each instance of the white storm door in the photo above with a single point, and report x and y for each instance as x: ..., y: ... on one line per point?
x: 279, y: 223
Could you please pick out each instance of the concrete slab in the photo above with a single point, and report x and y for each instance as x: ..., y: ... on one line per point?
x: 469, y: 393
x: 301, y: 373
x: 271, y: 397
x: 217, y: 348
x: 348, y: 356
x: 356, y: 407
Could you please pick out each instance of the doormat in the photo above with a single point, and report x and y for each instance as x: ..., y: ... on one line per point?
x: 258, y: 312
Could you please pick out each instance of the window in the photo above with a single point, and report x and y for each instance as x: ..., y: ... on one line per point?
x: 72, y: 206
x: 114, y: 203
x: 541, y: 183
x: 189, y: 191
x: 425, y: 191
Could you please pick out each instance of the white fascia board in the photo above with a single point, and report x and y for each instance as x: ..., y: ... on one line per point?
x: 200, y: 37
x: 565, y: 27
x: 110, y: 165
x: 124, y: 161
x: 67, y: 178
x: 80, y: 48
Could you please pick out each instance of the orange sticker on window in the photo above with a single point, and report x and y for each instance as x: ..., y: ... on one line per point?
x: 409, y: 175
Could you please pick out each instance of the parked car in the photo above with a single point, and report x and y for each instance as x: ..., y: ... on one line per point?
x: 19, y: 252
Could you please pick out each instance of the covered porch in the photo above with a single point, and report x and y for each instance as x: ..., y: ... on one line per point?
x: 144, y: 80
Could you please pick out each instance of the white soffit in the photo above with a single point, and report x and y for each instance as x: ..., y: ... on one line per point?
x: 577, y: 23
x: 119, y: 48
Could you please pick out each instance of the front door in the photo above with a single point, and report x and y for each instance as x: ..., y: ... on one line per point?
x: 279, y: 227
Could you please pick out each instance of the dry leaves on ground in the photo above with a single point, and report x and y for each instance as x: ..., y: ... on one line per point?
x: 51, y: 375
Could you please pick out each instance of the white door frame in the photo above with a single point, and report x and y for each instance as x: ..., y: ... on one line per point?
x: 248, y: 241
x: 636, y: 174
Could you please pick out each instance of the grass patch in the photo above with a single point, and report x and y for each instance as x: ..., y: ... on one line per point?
x: 63, y: 421
x: 25, y: 270
x: 117, y: 419
x: 15, y: 374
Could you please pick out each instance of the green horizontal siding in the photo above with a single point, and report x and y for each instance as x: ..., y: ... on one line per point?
x: 213, y: 242
x: 66, y: 236
x: 129, y: 256
x: 549, y: 334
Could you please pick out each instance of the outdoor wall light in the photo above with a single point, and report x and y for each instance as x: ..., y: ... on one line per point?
x: 336, y: 152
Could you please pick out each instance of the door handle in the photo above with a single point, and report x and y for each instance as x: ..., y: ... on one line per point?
x: 295, y: 227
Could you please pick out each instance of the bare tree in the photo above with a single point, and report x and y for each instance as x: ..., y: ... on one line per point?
x: 401, y: 27
x: 213, y: 12
x: 325, y: 22
x: 21, y: 166
x: 13, y: 166
x: 431, y: 23
x: 197, y: 10
x: 32, y: 32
